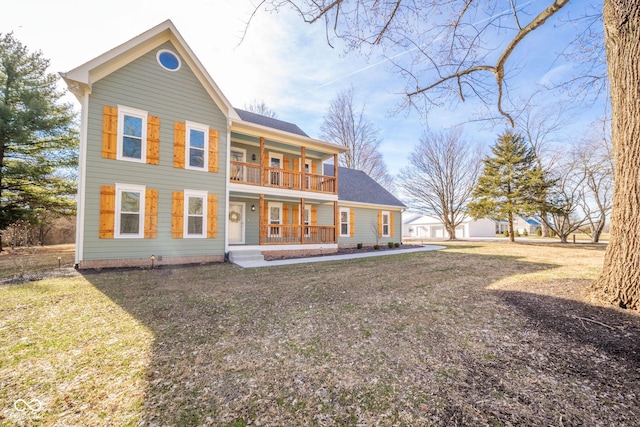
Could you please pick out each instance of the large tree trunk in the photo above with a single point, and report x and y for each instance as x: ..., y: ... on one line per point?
x: 619, y: 282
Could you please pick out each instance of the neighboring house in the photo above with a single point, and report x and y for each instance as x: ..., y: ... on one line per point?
x: 170, y: 170
x: 418, y: 226
x: 529, y: 224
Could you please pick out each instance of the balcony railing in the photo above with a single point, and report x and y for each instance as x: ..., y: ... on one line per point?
x: 250, y: 173
x: 297, y: 234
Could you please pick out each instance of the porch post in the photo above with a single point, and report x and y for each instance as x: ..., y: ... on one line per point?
x: 301, y: 219
x: 262, y: 228
x: 263, y: 171
x: 335, y: 173
x: 303, y: 155
x: 336, y: 221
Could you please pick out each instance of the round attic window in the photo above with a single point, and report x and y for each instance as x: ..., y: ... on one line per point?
x: 168, y: 60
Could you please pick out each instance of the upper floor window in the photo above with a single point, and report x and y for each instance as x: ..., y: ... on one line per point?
x: 132, y: 134
x: 197, y: 146
x: 168, y: 60
x: 130, y: 203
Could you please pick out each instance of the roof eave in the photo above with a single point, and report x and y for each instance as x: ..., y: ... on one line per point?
x: 256, y: 130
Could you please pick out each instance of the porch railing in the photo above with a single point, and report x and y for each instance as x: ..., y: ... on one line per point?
x: 250, y: 173
x: 297, y: 234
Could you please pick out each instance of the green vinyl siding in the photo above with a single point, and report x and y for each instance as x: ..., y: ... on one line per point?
x: 366, y: 225
x: 172, y: 96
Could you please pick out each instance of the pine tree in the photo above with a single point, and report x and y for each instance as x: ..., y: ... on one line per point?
x: 38, y: 138
x: 511, y: 182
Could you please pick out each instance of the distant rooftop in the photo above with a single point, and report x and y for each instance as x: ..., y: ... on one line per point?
x: 259, y: 119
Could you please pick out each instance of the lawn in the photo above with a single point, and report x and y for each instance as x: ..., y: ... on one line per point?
x: 478, y: 334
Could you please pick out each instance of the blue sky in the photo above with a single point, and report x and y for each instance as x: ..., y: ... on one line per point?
x: 281, y: 61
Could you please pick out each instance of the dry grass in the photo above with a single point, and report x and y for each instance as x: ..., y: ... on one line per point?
x: 484, y: 334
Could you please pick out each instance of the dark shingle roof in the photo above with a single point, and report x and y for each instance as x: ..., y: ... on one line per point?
x: 357, y: 186
x: 258, y: 119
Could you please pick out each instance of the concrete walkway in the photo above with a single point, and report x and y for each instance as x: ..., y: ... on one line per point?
x: 252, y: 264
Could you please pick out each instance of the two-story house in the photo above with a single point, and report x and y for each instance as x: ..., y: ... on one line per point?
x: 169, y: 171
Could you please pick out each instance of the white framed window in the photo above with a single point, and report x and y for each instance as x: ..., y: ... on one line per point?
x: 197, y: 146
x: 168, y: 60
x: 386, y: 224
x: 132, y: 134
x: 239, y: 155
x: 275, y: 218
x: 195, y: 214
x: 276, y: 161
x: 344, y: 222
x: 129, y: 221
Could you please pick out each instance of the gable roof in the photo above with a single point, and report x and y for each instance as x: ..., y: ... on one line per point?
x: 357, y: 186
x: 82, y: 78
x: 270, y: 122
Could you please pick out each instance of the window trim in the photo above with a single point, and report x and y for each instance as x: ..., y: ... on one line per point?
x: 204, y: 196
x: 188, y: 126
x: 388, y: 224
x: 348, y: 222
x: 133, y: 112
x: 120, y: 188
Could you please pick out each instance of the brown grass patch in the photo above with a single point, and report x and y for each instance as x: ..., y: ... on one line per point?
x: 479, y: 334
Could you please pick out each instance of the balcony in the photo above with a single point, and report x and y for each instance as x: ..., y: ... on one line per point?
x: 265, y: 176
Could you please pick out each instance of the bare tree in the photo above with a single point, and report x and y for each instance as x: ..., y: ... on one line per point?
x: 464, y: 48
x: 345, y: 124
x: 563, y: 213
x: 594, y: 156
x: 442, y: 173
x: 260, y: 107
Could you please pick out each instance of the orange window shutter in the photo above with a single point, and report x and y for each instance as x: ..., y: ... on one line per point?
x: 107, y: 211
x: 153, y: 140
x: 213, y: 150
x: 286, y: 163
x: 109, y: 132
x: 314, y: 215
x: 150, y: 214
x: 379, y: 224
x: 352, y: 223
x: 296, y: 165
x: 179, y: 141
x: 177, y: 215
x: 391, y: 224
x: 314, y: 168
x: 212, y: 216
x: 296, y: 215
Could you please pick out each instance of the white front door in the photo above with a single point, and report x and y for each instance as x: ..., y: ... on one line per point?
x: 236, y: 223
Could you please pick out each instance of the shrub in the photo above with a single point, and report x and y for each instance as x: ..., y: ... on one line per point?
x: 525, y: 233
x: 396, y: 244
x: 376, y: 247
x: 390, y: 244
x: 359, y: 245
x: 539, y: 232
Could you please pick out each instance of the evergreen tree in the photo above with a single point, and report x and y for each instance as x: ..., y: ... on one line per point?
x: 38, y: 138
x: 511, y: 182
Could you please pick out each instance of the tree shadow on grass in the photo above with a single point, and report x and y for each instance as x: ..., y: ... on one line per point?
x: 611, y: 330
x: 411, y: 340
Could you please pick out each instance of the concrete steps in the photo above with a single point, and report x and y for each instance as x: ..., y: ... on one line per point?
x: 245, y: 257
